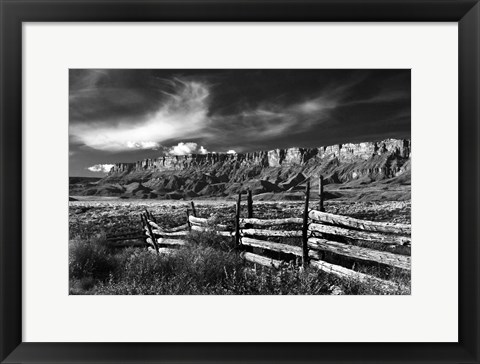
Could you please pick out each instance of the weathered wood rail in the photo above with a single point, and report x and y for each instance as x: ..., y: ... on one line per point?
x: 364, y: 255
x: 270, y: 233
x: 268, y: 245
x: 350, y: 222
x: 319, y: 236
x: 321, y: 229
x: 124, y: 239
x: 272, y: 222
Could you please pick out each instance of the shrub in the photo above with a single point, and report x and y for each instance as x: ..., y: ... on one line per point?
x: 210, y: 238
x: 208, y: 265
x: 286, y: 281
x: 143, y: 266
x: 90, y: 258
x: 193, y: 270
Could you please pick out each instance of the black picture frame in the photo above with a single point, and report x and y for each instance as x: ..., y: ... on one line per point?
x: 14, y: 12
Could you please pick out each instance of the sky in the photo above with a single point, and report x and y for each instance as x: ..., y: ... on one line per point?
x: 125, y: 115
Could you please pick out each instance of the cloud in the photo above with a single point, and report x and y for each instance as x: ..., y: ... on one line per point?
x: 145, y: 113
x: 104, y: 168
x: 187, y: 148
x: 81, y: 80
x: 385, y: 96
x: 181, y: 113
x: 271, y: 121
x: 315, y: 105
x: 231, y: 151
x: 143, y: 145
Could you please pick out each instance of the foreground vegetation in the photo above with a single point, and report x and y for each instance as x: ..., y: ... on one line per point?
x: 208, y: 265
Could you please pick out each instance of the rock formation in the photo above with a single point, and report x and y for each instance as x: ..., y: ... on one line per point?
x: 272, y: 158
x: 279, y: 170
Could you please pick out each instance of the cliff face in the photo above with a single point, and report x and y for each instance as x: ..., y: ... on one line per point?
x: 274, y: 171
x: 273, y: 158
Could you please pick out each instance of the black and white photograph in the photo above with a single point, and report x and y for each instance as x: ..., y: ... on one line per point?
x: 239, y: 181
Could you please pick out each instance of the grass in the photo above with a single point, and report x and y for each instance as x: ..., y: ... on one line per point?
x: 208, y: 265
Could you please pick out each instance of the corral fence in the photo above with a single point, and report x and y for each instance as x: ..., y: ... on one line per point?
x: 329, y: 242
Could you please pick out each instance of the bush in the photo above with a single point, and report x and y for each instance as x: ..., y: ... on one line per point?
x: 90, y: 258
x: 210, y: 238
x: 208, y: 265
x: 285, y: 281
x: 193, y: 270
x: 205, y: 270
x: 143, y: 266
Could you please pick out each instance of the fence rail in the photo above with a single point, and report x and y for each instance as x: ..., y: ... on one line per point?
x: 259, y: 259
x: 277, y: 247
x: 168, y: 230
x: 201, y: 224
x: 315, y: 229
x: 320, y: 236
x: 116, y: 239
x: 351, y: 274
x: 272, y: 222
x: 270, y: 233
x: 206, y: 223
x: 164, y: 233
x: 364, y: 255
x: 350, y: 222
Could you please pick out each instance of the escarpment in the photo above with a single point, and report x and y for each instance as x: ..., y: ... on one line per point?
x: 278, y: 170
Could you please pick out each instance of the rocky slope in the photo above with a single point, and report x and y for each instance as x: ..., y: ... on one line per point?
x: 275, y: 171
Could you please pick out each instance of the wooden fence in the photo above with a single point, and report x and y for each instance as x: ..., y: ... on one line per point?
x: 162, y: 240
x: 321, y: 238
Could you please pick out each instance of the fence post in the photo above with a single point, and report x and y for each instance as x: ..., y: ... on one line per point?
x: 150, y: 216
x: 194, y: 212
x: 143, y: 229
x: 320, y: 193
x: 188, y: 221
x: 152, y: 236
x: 250, y: 204
x: 237, y: 221
x: 147, y: 214
x: 305, y: 228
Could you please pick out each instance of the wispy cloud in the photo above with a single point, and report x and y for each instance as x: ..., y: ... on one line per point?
x: 143, y: 145
x: 271, y: 121
x: 384, y: 96
x: 180, y: 114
